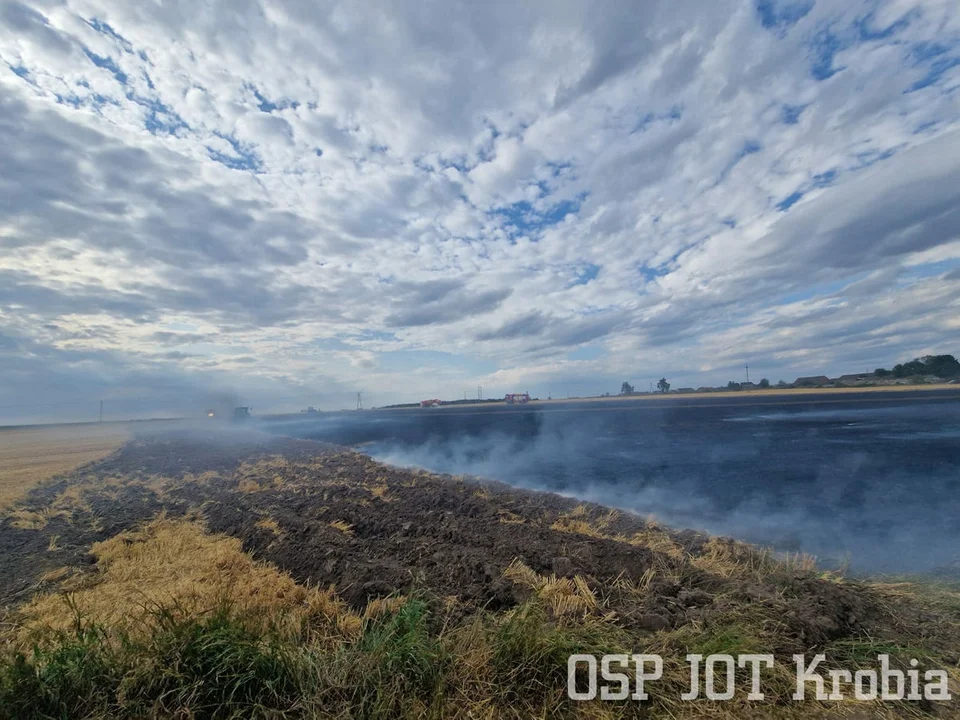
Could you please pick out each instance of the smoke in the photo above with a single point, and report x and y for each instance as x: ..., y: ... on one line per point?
x: 875, y: 487
x: 220, y: 403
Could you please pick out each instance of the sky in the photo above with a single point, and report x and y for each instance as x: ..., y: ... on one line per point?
x: 281, y: 203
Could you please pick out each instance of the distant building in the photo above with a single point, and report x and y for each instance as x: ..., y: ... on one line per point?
x: 685, y: 390
x: 812, y: 381
x: 856, y: 379
x: 705, y: 389
x: 434, y: 402
x: 748, y: 386
x: 517, y: 398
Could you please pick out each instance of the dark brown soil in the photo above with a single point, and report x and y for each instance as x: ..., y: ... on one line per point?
x: 398, y: 530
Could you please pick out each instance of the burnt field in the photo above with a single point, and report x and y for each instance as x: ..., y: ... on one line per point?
x: 330, y: 516
x: 868, y: 480
x: 473, y: 551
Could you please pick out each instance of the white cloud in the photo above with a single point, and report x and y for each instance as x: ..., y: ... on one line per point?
x: 324, y: 192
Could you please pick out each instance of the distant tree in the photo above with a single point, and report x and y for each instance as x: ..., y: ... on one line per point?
x: 945, y: 366
x: 663, y: 385
x: 764, y: 383
x: 626, y: 388
x: 942, y: 366
x: 882, y: 372
x: 782, y: 384
x: 732, y: 385
x: 908, y: 369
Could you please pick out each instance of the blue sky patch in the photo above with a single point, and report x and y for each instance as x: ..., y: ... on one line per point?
x: 921, y: 52
x: 160, y: 118
x: 558, y: 212
x: 650, y: 274
x: 107, y: 64
x: 521, y: 218
x: 825, y: 46
x: 645, y: 121
x: 791, y: 113
x: 821, y: 180
x: 779, y: 15
x: 824, y: 179
x: 72, y: 100
x: 789, y: 201
x: 918, y: 272
x: 868, y: 158
x: 867, y: 33
x: 587, y: 273
x: 937, y: 70
x: 105, y: 29
x: 936, y: 58
x: 95, y: 101
x: 245, y: 159
x: 268, y: 106
x: 518, y: 216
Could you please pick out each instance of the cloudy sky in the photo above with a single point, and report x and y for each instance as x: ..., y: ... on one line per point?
x: 284, y: 202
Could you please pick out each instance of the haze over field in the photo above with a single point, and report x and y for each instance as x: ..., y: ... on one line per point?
x: 283, y: 203
x: 864, y: 480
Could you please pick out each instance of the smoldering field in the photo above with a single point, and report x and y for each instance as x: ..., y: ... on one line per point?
x: 864, y: 481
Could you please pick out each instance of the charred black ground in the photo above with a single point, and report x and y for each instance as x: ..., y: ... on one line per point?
x: 285, y: 498
x: 330, y: 516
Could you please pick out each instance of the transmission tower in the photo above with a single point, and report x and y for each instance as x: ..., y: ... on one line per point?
x: 359, y: 402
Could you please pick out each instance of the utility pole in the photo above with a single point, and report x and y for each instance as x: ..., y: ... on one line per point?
x: 101, y: 411
x: 359, y: 402
x: 748, y: 372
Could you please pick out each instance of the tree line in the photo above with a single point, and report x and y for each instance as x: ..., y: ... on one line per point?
x: 662, y: 385
x: 941, y: 366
